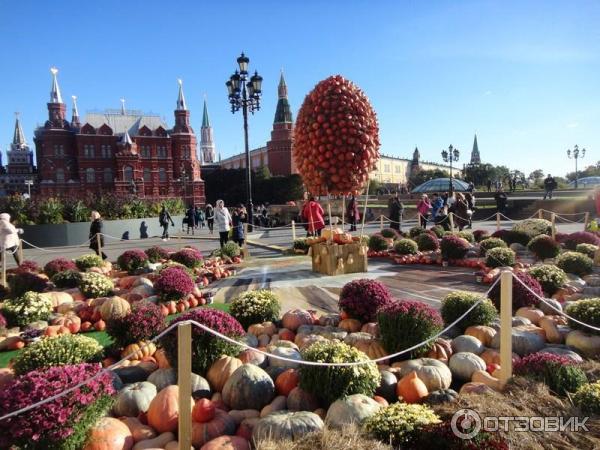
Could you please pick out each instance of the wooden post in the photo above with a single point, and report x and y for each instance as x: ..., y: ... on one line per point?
x: 451, y: 217
x: 586, y: 220
x: 362, y: 226
x: 20, y: 250
x: 184, y: 381
x: 330, y: 219
x: 553, y: 220
x: 497, y: 221
x: 506, y: 282
x: 540, y: 213
x: 597, y: 257
x: 343, y: 210
x: 99, y: 242
x: 293, y: 230
x: 245, y: 251
x: 381, y: 222
x: 4, y: 267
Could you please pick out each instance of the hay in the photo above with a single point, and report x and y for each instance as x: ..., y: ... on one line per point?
x: 350, y: 438
x: 523, y: 397
x: 591, y: 369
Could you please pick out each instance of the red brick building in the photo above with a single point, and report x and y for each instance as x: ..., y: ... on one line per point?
x: 121, y: 151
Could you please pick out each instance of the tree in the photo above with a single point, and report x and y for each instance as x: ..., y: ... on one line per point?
x: 589, y: 171
x: 536, y: 175
x: 422, y: 176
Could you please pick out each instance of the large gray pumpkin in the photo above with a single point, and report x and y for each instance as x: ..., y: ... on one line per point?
x: 435, y: 374
x: 351, y: 410
x: 523, y: 342
x: 200, y: 386
x: 464, y: 364
x: 285, y: 352
x: 465, y: 343
x: 162, y: 378
x: 286, y: 425
x: 134, y: 399
x: 249, y: 387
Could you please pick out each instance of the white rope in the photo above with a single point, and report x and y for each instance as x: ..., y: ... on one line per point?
x: 565, y: 214
x: 56, y: 251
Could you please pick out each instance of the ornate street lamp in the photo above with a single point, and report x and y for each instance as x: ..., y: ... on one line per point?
x: 244, y: 93
x: 450, y: 156
x: 576, y: 154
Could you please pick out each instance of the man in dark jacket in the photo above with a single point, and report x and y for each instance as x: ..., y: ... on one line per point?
x: 164, y: 218
x: 549, y: 186
x: 395, y: 209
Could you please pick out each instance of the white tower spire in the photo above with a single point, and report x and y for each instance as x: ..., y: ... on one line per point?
x: 55, y: 96
x: 123, y: 106
x: 181, y: 106
x: 75, y: 111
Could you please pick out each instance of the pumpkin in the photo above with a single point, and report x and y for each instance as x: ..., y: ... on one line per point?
x: 227, y: 443
x: 139, y: 431
x: 300, y: 400
x: 586, y: 344
x: 464, y: 364
x: 484, y: 333
x: 161, y: 358
x: 126, y: 283
x: 114, y: 308
x: 411, y: 388
x: 434, y: 374
x: 204, y: 411
x: 550, y: 327
x: 249, y: 356
x: 241, y: 415
x: 279, y: 403
x: 286, y: 381
x: 58, y: 298
x: 441, y: 396
x: 55, y: 330
x: 306, y: 340
x: 163, y: 412
x: 353, y: 409
x: 139, y: 350
x: 162, y: 378
x: 441, y: 350
x: 249, y: 387
x: 491, y: 356
x: 286, y: 335
x: 161, y: 441
x: 221, y: 424
x: 372, y: 328
x: 373, y: 348
x: 267, y: 328
x: 350, y: 325
x: 475, y: 388
x: 533, y: 314
x: 387, y: 386
x: 524, y: 341
x: 293, y: 319
x: 330, y: 320
x: 482, y: 376
x: 286, y: 425
x: 382, y: 401
x: 134, y: 399
x: 109, y: 434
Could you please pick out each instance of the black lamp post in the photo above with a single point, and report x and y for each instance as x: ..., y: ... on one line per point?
x: 449, y: 156
x: 244, y: 93
x: 576, y: 154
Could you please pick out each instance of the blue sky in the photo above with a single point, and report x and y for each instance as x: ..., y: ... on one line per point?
x: 524, y: 75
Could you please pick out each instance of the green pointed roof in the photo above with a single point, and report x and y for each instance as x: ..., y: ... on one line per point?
x: 475, y: 156
x: 205, y: 121
x: 283, y: 113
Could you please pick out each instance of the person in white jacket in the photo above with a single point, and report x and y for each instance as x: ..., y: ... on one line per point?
x: 222, y: 221
x: 9, y: 237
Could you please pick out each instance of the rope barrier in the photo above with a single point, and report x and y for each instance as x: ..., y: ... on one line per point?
x: 565, y: 214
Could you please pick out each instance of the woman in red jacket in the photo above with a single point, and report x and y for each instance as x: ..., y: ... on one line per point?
x: 312, y: 213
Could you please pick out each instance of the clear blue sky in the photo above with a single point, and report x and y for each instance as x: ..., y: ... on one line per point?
x: 524, y: 75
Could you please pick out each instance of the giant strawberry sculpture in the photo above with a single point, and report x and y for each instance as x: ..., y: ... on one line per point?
x: 336, y: 138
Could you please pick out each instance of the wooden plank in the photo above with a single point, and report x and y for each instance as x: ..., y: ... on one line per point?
x: 184, y: 380
x: 506, y: 282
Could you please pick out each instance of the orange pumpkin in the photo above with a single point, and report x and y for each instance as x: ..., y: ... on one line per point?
x: 286, y: 381
x: 163, y: 412
x: 484, y: 333
x: 286, y: 335
x: 350, y: 325
x: 138, y: 430
x: 372, y: 348
x: 530, y: 313
x: 492, y: 356
x: 55, y: 330
x: 204, y: 411
x: 220, y: 371
x: 295, y: 318
x: 139, y: 350
x: 109, y: 434
x: 100, y: 325
x: 382, y: 401
x: 441, y: 350
x: 71, y: 321
x: 161, y: 359
x: 411, y: 388
x: 227, y: 443
x: 222, y: 424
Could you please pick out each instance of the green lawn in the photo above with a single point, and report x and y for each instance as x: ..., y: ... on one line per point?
x: 101, y: 336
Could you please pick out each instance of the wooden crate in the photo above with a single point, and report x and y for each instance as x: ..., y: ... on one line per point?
x: 326, y: 258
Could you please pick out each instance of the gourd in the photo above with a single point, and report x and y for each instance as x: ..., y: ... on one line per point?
x: 114, y: 308
x: 285, y: 352
x: 286, y: 425
x: 435, y: 374
x: 138, y: 430
x: 411, y: 389
x: 286, y: 382
x: 221, y: 424
x: 353, y: 409
x: 330, y: 319
x: 373, y: 349
x: 71, y: 321
x: 249, y: 387
x: 293, y: 319
x: 492, y: 356
x: 227, y: 443
x: 441, y: 350
x: 533, y: 314
x: 58, y: 298
x: 481, y: 376
x: 475, y: 388
x: 286, y: 335
x: 350, y: 325
x: 162, y: 378
x: 586, y: 344
x: 464, y: 364
x: 441, y: 396
x: 267, y: 328
x: 482, y: 332
x: 134, y: 399
x: 372, y: 328
x: 109, y: 434
x: 159, y: 441
x: 550, y: 327
x: 467, y: 344
x: 220, y: 371
x: 240, y: 415
x: 139, y: 350
x: 524, y: 341
x: 163, y: 412
x: 279, y: 403
x: 161, y: 359
x: 204, y: 411
x: 300, y: 400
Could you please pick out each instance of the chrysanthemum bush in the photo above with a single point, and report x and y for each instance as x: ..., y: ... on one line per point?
x: 378, y: 243
x: 427, y: 242
x: 499, y: 257
x: 576, y: 263
x: 330, y: 383
x: 467, y: 235
x: 62, y: 423
x: 405, y: 323
x: 20, y: 283
x: 86, y: 262
x: 399, y: 423
x: 454, y: 247
x: 543, y: 246
x: 517, y: 237
x: 255, y: 307
x: 29, y: 307
x: 67, y: 279
x: 301, y: 244
x: 361, y: 299
x: 586, y: 311
x: 490, y: 243
x: 94, y: 285
x: 173, y: 283
x: 455, y: 304
x: 533, y: 227
x: 415, y: 231
x: 581, y: 237
x: 438, y: 230
x: 430, y: 436
x: 587, y: 249
x: 390, y: 233
x: 57, y: 351
x: 156, y: 254
x: 58, y: 265
x: 28, y: 266
x: 559, y: 372
x: 3, y: 321
x: 587, y: 398
x: 230, y: 250
x: 189, y: 257
x: 521, y: 296
x: 550, y: 277
x: 170, y: 264
x: 406, y: 247
x: 132, y: 260
x: 480, y: 235
x: 144, y: 321
x: 206, y: 347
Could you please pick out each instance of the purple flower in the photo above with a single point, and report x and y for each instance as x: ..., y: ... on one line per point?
x: 132, y: 260
x: 454, y: 247
x: 536, y: 363
x: 28, y: 266
x: 58, y: 265
x: 156, y: 254
x: 521, y: 295
x: 143, y: 322
x: 581, y: 237
x: 188, y: 256
x: 419, y: 310
x: 361, y: 299
x: 173, y: 283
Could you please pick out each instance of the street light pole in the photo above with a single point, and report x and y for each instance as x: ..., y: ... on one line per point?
x: 449, y: 156
x: 576, y: 155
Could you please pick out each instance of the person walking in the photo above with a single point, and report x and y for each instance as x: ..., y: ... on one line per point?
x: 209, y: 213
x: 352, y: 213
x: 501, y: 200
x: 312, y: 213
x: 164, y: 218
x: 489, y: 185
x: 96, y: 236
x: 395, y: 209
x: 460, y: 209
x: 436, y: 205
x: 549, y: 186
x: 223, y: 222
x: 197, y: 217
x: 423, y: 207
x: 470, y: 199
x: 201, y: 218
x: 9, y: 238
x: 190, y: 216
x: 238, y: 219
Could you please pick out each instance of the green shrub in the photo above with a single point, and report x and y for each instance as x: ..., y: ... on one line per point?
x: 587, y: 249
x: 558, y: 372
x: 156, y: 254
x: 499, y: 257
x: 550, y: 277
x: 57, y: 351
x: 427, y: 242
x: 587, y: 398
x: 406, y: 247
x: 517, y: 237
x: 301, y: 244
x: 94, y: 285
x: 415, y: 231
x: 231, y: 249
x: 377, y: 243
x: 255, y: 307
x: 330, y: 383
x: 438, y: 230
x: 586, y: 311
x: 31, y: 306
x: 533, y: 227
x: 430, y: 436
x: 67, y: 279
x: 566, y: 379
x: 573, y: 262
x: 457, y: 303
x: 390, y: 233
x: 399, y: 423
x: 490, y: 243
x: 543, y: 247
x: 468, y: 235
x: 86, y: 262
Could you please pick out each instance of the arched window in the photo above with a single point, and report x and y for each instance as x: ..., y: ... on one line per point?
x: 162, y: 174
x: 128, y: 173
x: 147, y: 175
x: 90, y: 175
x: 108, y: 175
x: 60, y: 176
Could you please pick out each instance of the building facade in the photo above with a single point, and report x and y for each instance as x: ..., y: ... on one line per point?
x: 125, y: 152
x: 19, y: 174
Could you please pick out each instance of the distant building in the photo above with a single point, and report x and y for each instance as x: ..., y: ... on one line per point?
x: 19, y: 171
x: 207, y: 145
x: 396, y: 170
x: 475, y: 156
x: 119, y: 151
